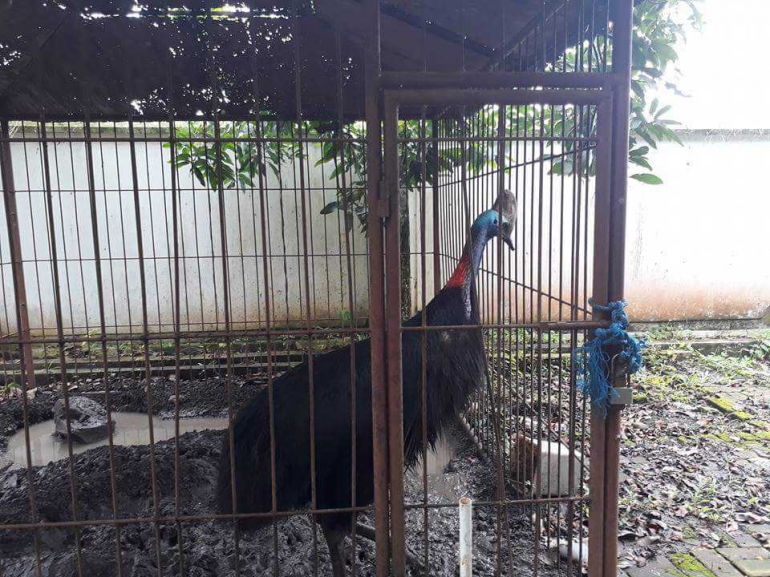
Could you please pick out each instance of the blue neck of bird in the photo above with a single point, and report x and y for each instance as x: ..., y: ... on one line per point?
x: 468, y: 267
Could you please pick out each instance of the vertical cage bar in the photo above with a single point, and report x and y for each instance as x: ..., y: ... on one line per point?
x: 598, y: 489
x: 436, y: 216
x: 26, y: 366
x: 305, y: 248
x: 377, y: 290
x: 145, y: 336
x: 17, y: 265
x: 393, y: 345
x: 177, y: 297
x: 621, y: 66
x: 102, y: 330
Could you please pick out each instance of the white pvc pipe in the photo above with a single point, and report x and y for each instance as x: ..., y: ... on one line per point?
x: 466, y: 537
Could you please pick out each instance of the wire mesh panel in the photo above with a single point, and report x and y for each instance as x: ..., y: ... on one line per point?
x: 196, y: 310
x: 499, y: 325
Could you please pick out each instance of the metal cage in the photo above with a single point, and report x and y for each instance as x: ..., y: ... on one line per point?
x: 199, y: 198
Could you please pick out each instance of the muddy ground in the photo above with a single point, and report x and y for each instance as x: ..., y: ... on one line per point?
x: 695, y: 472
x: 209, y: 547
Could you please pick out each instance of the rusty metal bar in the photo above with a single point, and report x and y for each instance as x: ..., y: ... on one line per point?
x: 145, y: 340
x: 271, y: 515
x: 303, y: 229
x: 393, y: 340
x: 622, y: 17
x: 349, y: 248
x: 377, y: 289
x: 192, y: 139
x: 14, y: 242
x: 102, y: 330
x: 621, y: 65
x: 436, y: 214
x: 177, y: 304
x: 478, y: 96
x: 181, y: 518
x: 544, y: 326
x: 497, y: 79
x: 424, y: 335
x: 597, y: 538
x: 22, y: 318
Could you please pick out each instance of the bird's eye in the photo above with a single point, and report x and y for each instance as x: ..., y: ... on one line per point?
x: 495, y: 221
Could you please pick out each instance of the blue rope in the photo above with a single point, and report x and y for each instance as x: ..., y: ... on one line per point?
x: 593, y: 362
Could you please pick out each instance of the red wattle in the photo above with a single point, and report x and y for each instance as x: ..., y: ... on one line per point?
x: 460, y: 275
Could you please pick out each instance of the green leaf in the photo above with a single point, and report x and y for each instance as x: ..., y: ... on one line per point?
x: 667, y: 52
x: 331, y: 207
x: 647, y: 178
x: 646, y: 137
x: 662, y: 111
x: 641, y: 161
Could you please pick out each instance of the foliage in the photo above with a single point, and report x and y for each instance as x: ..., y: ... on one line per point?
x: 660, y: 27
x: 242, y: 161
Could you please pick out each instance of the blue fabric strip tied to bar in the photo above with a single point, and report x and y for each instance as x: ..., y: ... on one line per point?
x: 593, y: 362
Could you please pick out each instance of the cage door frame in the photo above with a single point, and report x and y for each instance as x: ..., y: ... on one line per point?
x: 393, y: 99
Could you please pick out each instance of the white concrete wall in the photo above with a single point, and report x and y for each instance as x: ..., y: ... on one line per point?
x: 202, y: 300
x: 698, y: 243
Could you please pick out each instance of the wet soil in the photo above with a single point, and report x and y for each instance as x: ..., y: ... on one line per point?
x: 294, y: 546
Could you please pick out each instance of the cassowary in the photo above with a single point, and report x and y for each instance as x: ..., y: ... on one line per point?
x: 455, y: 369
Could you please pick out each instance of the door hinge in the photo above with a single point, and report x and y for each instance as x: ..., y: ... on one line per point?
x: 382, y: 208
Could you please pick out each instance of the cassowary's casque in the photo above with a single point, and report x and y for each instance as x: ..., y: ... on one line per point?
x: 455, y: 368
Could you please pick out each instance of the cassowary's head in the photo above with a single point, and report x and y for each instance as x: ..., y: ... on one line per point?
x: 498, y: 221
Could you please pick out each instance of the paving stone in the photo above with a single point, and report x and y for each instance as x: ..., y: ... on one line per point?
x: 762, y: 528
x: 751, y: 561
x: 715, y: 563
x: 658, y: 567
x: 745, y: 539
x: 739, y: 539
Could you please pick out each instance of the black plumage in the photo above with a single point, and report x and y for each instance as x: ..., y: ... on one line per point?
x: 455, y: 368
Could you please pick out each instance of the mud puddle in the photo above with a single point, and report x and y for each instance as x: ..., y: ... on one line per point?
x: 130, y: 429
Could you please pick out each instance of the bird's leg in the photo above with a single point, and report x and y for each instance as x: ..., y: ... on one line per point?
x: 335, y: 539
x: 367, y: 532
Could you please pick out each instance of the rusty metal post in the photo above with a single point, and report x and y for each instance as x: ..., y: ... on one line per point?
x: 14, y: 242
x: 598, y: 467
x: 393, y: 342
x: 377, y: 293
x: 436, y: 216
x: 622, y: 18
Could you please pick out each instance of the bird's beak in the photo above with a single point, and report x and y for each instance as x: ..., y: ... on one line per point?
x: 505, y: 204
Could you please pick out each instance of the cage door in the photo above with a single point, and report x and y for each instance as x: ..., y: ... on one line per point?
x: 501, y: 325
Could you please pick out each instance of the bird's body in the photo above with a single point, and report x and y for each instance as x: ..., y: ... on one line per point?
x: 455, y: 363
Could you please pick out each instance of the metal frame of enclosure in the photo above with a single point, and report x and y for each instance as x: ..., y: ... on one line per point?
x: 110, y: 246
